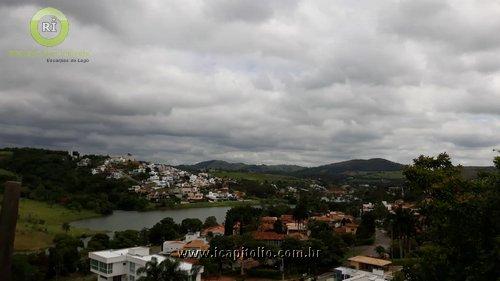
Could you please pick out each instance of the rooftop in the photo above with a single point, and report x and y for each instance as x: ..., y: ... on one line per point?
x: 118, y: 253
x: 218, y: 229
x: 268, y: 235
x: 196, y: 244
x: 370, y: 260
x: 360, y: 275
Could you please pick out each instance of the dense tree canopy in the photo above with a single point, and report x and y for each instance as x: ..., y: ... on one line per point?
x: 191, y: 225
x: 167, y: 270
x: 166, y: 229
x: 460, y: 231
x: 210, y: 222
x: 246, y: 216
x: 54, y: 176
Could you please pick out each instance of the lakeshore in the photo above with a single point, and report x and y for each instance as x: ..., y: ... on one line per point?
x: 39, y: 222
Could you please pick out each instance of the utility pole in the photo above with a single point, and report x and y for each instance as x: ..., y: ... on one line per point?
x: 8, y: 221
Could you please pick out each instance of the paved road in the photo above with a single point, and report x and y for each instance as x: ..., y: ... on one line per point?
x: 381, y: 239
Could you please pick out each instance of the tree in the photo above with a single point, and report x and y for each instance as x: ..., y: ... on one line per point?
x: 125, y: 239
x: 66, y: 227
x: 24, y: 270
x: 427, y: 174
x: 380, y: 251
x: 246, y: 216
x: 64, y: 256
x: 403, y: 227
x: 460, y: 219
x: 191, y: 225
x: 222, y: 244
x: 300, y: 212
x: 210, y: 222
x: 166, y: 229
x: 366, y: 228
x: 99, y: 241
x: 278, y: 226
x: 167, y: 270
x: 334, y: 246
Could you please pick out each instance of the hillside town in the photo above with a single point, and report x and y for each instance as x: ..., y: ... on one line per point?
x: 157, y: 182
x: 272, y: 232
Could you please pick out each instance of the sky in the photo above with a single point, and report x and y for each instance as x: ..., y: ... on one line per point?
x: 264, y: 81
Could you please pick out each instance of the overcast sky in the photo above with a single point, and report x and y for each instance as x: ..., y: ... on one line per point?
x: 299, y: 82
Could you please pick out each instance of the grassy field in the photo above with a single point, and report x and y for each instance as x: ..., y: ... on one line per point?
x: 254, y: 176
x: 212, y: 204
x: 39, y: 222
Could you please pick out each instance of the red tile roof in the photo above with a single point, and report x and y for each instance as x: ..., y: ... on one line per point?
x: 267, y: 235
x: 218, y: 229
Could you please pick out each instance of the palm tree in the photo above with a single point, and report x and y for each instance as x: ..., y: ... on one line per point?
x: 167, y: 270
x: 66, y: 227
x: 403, y: 228
x: 300, y: 213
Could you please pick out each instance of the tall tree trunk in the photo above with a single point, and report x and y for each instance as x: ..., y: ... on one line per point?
x: 400, y: 247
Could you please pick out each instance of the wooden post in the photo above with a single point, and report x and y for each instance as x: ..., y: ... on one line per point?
x: 8, y: 221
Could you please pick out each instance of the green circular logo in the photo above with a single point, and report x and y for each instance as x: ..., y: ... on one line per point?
x: 49, y: 27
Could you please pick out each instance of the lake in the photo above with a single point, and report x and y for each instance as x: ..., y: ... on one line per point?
x: 123, y: 220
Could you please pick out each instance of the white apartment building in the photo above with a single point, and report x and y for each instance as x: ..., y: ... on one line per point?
x: 122, y: 265
x: 351, y: 274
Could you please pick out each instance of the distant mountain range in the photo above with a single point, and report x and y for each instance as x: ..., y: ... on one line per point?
x: 326, y: 171
x: 242, y: 167
x: 342, y: 169
x: 334, y: 171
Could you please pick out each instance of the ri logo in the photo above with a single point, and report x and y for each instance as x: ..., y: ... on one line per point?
x: 49, y: 27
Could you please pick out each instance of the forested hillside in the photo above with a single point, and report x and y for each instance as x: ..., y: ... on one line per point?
x: 54, y: 177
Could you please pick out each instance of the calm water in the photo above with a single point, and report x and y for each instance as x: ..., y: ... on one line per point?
x: 123, y: 220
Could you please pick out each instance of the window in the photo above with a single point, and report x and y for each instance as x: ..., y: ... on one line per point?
x: 94, y: 264
x: 132, y: 267
x: 131, y: 278
x: 100, y: 266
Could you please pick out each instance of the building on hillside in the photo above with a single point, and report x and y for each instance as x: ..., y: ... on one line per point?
x: 172, y: 246
x: 198, y: 244
x: 267, y: 223
x: 369, y: 263
x: 351, y: 228
x: 287, y: 218
x: 190, y: 236
x: 350, y: 274
x: 269, y: 237
x: 123, y: 264
x: 368, y: 207
x: 213, y: 231
x: 294, y: 227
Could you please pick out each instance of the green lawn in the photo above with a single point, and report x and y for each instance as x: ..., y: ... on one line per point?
x: 39, y: 222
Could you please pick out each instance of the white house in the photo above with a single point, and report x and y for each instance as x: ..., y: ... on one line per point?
x: 190, y: 236
x: 172, y: 246
x: 350, y: 274
x: 212, y: 196
x: 122, y: 265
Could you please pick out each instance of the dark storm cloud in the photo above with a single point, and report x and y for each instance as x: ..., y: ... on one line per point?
x: 259, y: 81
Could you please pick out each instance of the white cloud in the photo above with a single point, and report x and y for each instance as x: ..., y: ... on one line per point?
x: 266, y: 82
